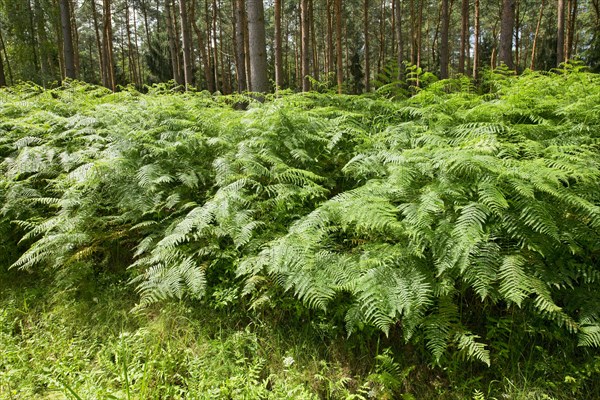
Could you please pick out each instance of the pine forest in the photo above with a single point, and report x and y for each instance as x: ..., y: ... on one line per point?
x: 308, y: 199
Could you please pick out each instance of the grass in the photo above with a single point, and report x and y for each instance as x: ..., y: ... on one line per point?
x: 87, y: 343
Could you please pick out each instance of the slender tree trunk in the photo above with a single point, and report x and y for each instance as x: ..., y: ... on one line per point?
x: 32, y: 42
x: 444, y: 51
x: 419, y: 33
x: 258, y: 49
x: 208, y: 77
x: 536, y: 35
x: 330, y: 49
x: 65, y: 19
x: 367, y: 50
x: 464, y: 36
x: 136, y: 50
x: 560, y: 36
x: 75, y: 33
x: 338, y: 28
x: 45, y: 61
x: 215, y: 46
x: 144, y: 8
x: 516, y: 32
x: 224, y: 76
x: 278, y: 46
x: 476, y: 43
x: 506, y: 33
x: 172, y: 43
x: 240, y: 54
x: 3, y: 47
x: 133, y: 69
x: 381, y: 58
x: 400, y: 54
x: 571, y: 28
x: 2, y: 76
x: 107, y: 43
x: 98, y: 41
x: 187, y: 45
x: 313, y: 41
x: 305, y: 34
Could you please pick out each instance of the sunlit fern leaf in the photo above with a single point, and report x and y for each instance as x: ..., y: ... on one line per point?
x: 467, y: 342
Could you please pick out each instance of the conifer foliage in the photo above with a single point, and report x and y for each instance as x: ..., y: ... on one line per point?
x: 418, y: 215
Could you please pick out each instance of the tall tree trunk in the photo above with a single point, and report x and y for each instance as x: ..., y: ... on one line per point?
x: 305, y: 34
x: 506, y: 33
x: 3, y: 48
x: 560, y: 35
x: 571, y: 28
x: 464, y: 36
x: 398, y: 27
x: 215, y: 47
x: 240, y: 54
x: 444, y: 51
x: 67, y: 42
x: 32, y: 42
x: 536, y: 35
x: 75, y: 32
x: 338, y: 28
x: 2, y: 76
x: 419, y: 32
x: 98, y: 41
x: 313, y: 41
x: 247, y: 45
x: 258, y: 48
x: 516, y: 32
x: 476, y: 42
x: 133, y: 69
x: 367, y: 50
x: 278, y: 46
x: 172, y: 43
x: 208, y: 76
x: 45, y: 60
x: 330, y: 49
x: 381, y: 58
x: 107, y: 47
x: 187, y: 45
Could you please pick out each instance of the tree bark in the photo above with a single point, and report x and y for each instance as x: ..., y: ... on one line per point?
x: 367, y: 50
x: 278, y: 46
x: 67, y: 42
x: 240, y: 54
x: 208, y: 77
x: 2, y: 76
x: 464, y: 36
x: 258, y: 49
x: 313, y: 41
x: 98, y: 41
x: 506, y: 33
x: 339, y: 62
x: 476, y: 43
x: 536, y: 35
x: 108, y: 76
x: 399, y: 39
x: 560, y: 35
x: 305, y: 35
x: 444, y: 51
x: 571, y: 28
x: 188, y: 76
x: 172, y: 44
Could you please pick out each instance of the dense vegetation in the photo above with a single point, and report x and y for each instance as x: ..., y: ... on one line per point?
x: 445, y: 232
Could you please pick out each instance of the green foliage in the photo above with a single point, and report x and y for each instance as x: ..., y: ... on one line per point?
x: 417, y: 217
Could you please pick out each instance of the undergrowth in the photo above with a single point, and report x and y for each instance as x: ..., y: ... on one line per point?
x: 462, y: 222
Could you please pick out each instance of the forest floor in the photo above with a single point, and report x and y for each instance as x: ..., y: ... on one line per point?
x: 89, y: 343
